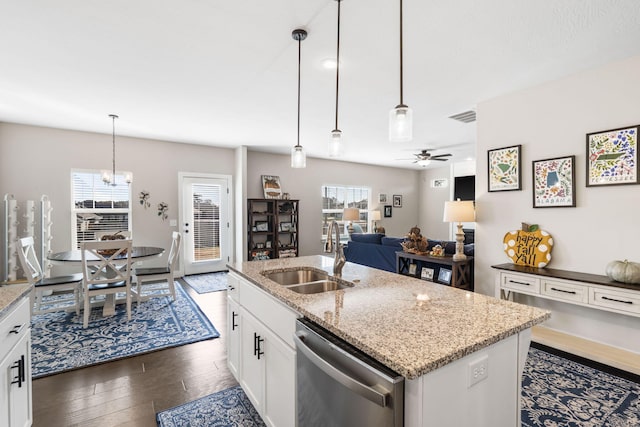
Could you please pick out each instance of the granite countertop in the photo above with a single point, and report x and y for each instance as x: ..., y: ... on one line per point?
x: 410, y: 325
x: 10, y: 295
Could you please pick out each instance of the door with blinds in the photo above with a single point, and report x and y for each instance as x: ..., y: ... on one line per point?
x: 205, y: 223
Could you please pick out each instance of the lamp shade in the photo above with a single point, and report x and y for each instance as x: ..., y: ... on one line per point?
x: 351, y: 214
x: 459, y: 211
x: 375, y: 215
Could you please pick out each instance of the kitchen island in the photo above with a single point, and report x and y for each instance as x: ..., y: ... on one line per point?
x: 461, y: 353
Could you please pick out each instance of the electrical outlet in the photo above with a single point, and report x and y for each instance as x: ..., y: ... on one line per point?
x: 478, y: 370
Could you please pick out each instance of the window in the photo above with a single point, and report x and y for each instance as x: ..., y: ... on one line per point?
x: 98, y: 207
x: 335, y: 198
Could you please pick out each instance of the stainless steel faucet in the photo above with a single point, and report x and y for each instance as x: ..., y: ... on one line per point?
x: 339, y: 260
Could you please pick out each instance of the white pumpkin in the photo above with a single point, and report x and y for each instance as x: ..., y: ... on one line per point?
x: 623, y: 271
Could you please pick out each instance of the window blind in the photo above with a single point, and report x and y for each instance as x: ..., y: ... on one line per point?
x: 206, y: 222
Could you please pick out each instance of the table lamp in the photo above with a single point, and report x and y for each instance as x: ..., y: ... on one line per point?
x: 350, y: 214
x: 375, y: 216
x: 459, y: 211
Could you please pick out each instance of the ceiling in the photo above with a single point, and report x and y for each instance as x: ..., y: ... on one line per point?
x: 225, y: 73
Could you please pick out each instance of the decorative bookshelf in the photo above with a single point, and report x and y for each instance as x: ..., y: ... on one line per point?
x: 272, y: 226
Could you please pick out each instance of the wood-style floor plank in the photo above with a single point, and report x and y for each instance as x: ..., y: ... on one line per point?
x: 129, y: 392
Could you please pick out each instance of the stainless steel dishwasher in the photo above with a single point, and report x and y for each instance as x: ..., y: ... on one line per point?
x: 339, y: 386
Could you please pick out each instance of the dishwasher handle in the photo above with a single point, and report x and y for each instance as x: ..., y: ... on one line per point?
x: 380, y: 399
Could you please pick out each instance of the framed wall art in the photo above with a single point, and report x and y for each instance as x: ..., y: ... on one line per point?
x: 554, y: 184
x: 382, y: 198
x: 612, y: 157
x: 397, y: 201
x: 271, y: 187
x: 504, y: 168
x: 387, y: 211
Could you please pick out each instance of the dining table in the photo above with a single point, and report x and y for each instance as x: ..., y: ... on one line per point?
x: 138, y: 253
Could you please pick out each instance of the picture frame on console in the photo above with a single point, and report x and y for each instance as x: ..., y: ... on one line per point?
x: 426, y: 273
x: 444, y: 276
x: 504, y: 168
x: 554, y: 183
x: 612, y: 157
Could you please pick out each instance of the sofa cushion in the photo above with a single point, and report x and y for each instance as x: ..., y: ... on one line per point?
x: 393, y: 241
x: 374, y: 238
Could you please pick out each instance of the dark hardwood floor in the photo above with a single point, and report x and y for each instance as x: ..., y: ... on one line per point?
x: 129, y: 392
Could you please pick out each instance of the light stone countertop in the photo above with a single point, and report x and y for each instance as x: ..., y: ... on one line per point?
x: 10, y: 295
x: 410, y: 325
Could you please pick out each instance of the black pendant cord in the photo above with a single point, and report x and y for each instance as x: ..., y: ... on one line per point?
x: 401, y: 68
x: 113, y: 142
x: 299, y: 56
x: 338, y: 65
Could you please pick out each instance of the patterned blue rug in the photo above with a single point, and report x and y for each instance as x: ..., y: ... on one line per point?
x: 59, y: 343
x: 207, y: 282
x: 559, y: 392
x: 226, y: 408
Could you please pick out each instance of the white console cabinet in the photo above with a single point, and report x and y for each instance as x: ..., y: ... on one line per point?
x: 15, y: 367
x: 588, y: 290
x: 260, y: 349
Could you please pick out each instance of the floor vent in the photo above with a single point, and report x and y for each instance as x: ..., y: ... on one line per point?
x: 465, y: 117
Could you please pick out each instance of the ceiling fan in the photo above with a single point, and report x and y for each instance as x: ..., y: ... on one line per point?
x: 423, y: 158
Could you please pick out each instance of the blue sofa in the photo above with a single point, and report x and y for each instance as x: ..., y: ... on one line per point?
x: 378, y: 251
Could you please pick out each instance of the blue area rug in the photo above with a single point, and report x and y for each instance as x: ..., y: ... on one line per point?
x: 558, y: 392
x: 59, y: 343
x: 228, y: 408
x: 208, y: 282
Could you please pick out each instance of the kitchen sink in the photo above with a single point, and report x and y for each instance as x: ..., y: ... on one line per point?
x: 307, y: 280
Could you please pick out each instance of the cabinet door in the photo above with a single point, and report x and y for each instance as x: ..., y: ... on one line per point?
x: 233, y: 337
x: 252, y: 378
x: 280, y: 385
x: 16, y: 389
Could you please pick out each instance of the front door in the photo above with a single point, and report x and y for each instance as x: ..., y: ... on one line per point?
x: 205, y: 222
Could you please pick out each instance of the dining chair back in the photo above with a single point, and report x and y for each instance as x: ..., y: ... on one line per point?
x: 159, y: 274
x: 106, y: 269
x: 68, y: 284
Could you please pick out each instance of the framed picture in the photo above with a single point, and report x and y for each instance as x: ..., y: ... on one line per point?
x: 271, y: 187
x: 412, y: 269
x: 387, y: 211
x: 505, y: 173
x: 444, y: 276
x: 397, y: 201
x: 267, y: 244
x: 260, y: 245
x: 426, y: 273
x: 262, y: 226
x: 286, y: 226
x: 612, y: 157
x: 554, y: 184
x: 439, y: 183
x: 382, y: 198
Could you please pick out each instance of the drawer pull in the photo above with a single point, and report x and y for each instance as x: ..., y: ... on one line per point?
x: 562, y: 290
x: 519, y: 283
x: 617, y: 300
x: 17, y: 329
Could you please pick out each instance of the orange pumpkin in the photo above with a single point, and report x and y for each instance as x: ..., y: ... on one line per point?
x: 531, y: 248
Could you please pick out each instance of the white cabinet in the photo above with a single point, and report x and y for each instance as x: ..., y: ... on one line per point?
x: 260, y: 350
x: 15, y: 367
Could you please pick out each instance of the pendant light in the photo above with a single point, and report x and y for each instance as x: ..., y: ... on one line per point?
x: 401, y: 117
x: 336, y: 142
x: 109, y: 178
x: 298, y: 156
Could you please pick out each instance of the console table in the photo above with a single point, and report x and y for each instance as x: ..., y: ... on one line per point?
x: 461, y: 271
x: 588, y: 290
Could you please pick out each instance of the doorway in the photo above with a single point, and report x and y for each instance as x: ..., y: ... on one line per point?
x: 205, y: 222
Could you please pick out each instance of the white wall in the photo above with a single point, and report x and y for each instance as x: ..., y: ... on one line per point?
x: 305, y: 184
x: 37, y: 160
x: 432, y: 202
x: 549, y: 121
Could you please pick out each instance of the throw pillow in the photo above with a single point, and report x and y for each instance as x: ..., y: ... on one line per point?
x: 373, y: 238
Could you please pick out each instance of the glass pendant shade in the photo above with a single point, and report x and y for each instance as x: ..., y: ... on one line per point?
x: 335, y: 143
x: 401, y: 124
x: 298, y: 157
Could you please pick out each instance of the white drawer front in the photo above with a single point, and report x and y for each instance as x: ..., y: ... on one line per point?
x: 565, y: 291
x: 232, y: 286
x: 627, y: 302
x: 14, y: 325
x: 523, y: 284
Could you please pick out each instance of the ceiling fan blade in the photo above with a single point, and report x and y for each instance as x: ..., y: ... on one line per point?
x: 439, y: 160
x: 441, y: 155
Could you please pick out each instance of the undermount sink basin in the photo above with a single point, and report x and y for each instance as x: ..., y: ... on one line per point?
x: 307, y: 280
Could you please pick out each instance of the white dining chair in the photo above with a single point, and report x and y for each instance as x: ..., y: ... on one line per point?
x: 106, y: 269
x: 69, y: 284
x: 159, y: 274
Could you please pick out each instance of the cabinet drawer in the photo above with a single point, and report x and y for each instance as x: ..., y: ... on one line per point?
x: 523, y: 284
x: 627, y: 302
x: 15, y: 325
x: 564, y: 291
x: 232, y: 286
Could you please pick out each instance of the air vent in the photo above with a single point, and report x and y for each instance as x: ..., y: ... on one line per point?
x: 466, y: 117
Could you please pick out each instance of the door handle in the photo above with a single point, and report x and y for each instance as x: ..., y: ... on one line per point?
x: 21, y: 377
x: 234, y: 325
x: 186, y: 225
